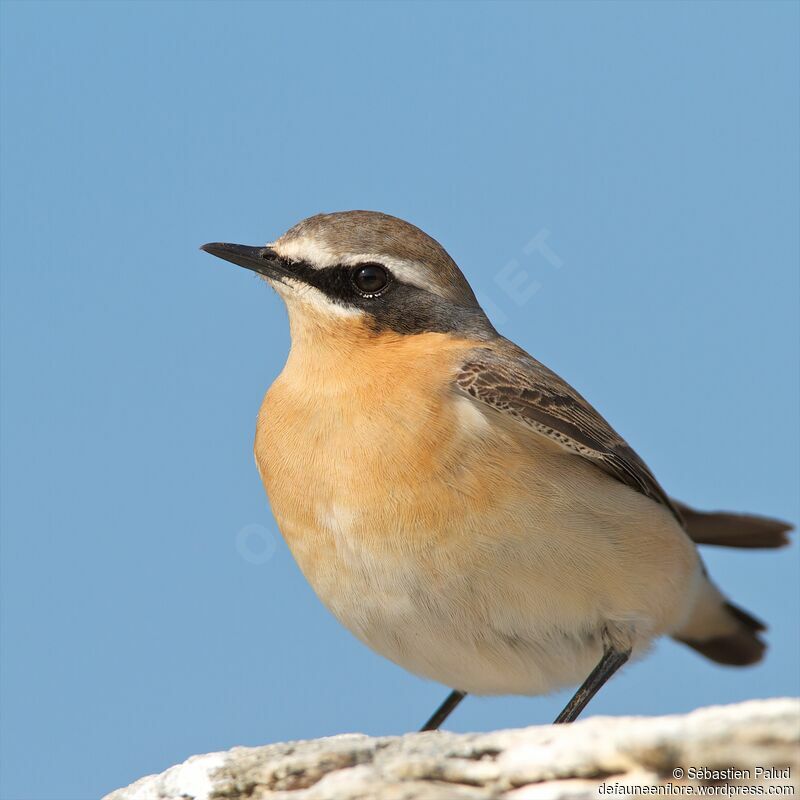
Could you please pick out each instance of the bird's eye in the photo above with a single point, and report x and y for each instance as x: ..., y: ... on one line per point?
x: 370, y: 279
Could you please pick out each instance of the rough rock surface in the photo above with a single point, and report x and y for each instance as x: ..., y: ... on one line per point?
x: 598, y: 757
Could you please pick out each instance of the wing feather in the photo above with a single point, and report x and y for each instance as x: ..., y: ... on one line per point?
x: 514, y: 383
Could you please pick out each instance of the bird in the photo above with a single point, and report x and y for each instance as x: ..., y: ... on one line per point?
x: 459, y: 507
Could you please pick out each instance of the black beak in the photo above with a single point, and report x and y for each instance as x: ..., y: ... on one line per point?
x: 262, y: 260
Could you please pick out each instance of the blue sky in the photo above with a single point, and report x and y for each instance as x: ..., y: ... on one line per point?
x: 150, y: 609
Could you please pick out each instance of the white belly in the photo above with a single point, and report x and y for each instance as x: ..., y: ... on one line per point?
x: 524, y: 613
x: 458, y: 632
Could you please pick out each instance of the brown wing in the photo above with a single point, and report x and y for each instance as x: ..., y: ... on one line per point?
x: 511, y: 381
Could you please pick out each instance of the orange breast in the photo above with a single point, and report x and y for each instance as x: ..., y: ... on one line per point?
x: 364, y: 437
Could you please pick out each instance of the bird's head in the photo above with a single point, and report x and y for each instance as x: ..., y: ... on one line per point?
x: 364, y: 270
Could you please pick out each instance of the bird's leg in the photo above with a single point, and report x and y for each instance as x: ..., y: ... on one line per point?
x: 611, y: 661
x: 444, y: 710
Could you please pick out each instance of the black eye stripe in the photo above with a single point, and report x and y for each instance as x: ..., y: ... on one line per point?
x: 340, y: 282
x: 398, y: 306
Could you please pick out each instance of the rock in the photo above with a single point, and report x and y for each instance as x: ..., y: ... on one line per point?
x: 746, y: 745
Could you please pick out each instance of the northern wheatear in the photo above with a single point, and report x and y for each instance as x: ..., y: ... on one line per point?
x: 457, y: 506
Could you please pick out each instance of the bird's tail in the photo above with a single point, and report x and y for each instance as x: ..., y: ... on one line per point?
x: 716, y: 627
x: 722, y: 631
x: 733, y: 530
